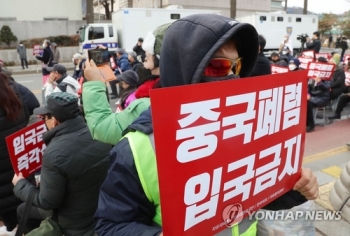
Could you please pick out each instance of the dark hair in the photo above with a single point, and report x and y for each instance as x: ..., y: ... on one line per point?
x: 9, y: 101
x: 155, y: 61
x: 140, y: 40
x: 262, y: 42
x: 317, y: 34
x: 275, y: 54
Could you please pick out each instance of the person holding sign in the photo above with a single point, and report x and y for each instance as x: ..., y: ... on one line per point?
x: 73, y: 168
x: 129, y: 202
x: 13, y: 117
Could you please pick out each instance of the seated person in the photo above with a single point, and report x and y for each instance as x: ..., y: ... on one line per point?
x: 277, y: 60
x: 343, y: 100
x: 318, y: 97
x: 338, y: 79
x: 294, y: 64
x: 287, y: 53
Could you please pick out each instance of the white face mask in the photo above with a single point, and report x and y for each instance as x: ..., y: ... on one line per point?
x: 284, y: 52
x: 292, y: 67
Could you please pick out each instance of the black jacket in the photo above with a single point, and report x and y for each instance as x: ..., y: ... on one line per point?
x: 74, y: 166
x: 29, y: 98
x: 262, y: 66
x: 320, y: 92
x: 46, y: 58
x: 337, y: 83
x: 8, y: 201
x: 140, y: 52
x: 315, y: 45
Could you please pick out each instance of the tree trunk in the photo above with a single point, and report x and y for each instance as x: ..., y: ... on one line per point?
x: 105, y: 4
x: 89, y: 12
x: 305, y: 7
x: 112, y: 5
x: 233, y: 9
x: 286, y: 5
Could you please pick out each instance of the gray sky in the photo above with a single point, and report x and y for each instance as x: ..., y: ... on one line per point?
x: 323, y: 6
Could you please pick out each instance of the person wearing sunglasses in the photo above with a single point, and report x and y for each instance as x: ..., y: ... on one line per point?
x: 216, y: 48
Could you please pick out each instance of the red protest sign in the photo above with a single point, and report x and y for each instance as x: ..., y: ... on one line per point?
x: 278, y: 69
x: 325, y: 55
x: 26, y: 148
x: 37, y: 49
x: 346, y: 58
x: 321, y: 70
x: 241, y: 145
x: 308, y: 54
x: 304, y: 62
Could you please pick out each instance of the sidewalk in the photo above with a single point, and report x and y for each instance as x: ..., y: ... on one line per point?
x: 32, y: 69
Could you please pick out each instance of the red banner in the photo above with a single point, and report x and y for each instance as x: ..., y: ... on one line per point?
x: 308, y: 54
x: 346, y: 58
x: 325, y: 55
x: 26, y: 148
x: 38, y: 49
x: 304, y: 62
x: 224, y: 145
x: 278, y: 69
x: 321, y: 70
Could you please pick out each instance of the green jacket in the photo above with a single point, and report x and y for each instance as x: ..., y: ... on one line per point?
x: 103, y: 124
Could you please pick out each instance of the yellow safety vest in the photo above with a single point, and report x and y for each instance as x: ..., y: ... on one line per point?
x: 142, y: 147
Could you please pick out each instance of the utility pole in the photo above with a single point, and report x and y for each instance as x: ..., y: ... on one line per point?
x: 89, y: 12
x: 305, y: 7
x: 233, y: 8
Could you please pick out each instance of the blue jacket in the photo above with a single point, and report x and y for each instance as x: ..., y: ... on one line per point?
x: 123, y: 63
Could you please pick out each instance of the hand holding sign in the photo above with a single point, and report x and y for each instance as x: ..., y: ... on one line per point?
x: 17, y: 178
x: 307, y: 185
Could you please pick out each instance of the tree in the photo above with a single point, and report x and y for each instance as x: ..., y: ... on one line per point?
x: 233, y: 8
x: 105, y: 4
x: 305, y: 7
x: 7, y: 36
x: 326, y: 23
x: 89, y: 12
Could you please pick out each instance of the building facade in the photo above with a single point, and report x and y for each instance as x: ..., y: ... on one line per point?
x: 40, y: 10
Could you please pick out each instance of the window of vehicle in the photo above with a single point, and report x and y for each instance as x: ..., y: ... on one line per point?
x: 280, y: 18
x: 273, y: 18
x: 262, y: 18
x: 96, y: 33
x: 174, y: 16
x: 298, y: 19
x: 110, y: 29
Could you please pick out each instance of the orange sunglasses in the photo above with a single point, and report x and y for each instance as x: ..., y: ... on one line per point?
x: 219, y: 67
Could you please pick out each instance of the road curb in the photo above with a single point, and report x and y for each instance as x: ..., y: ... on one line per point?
x: 24, y: 72
x: 325, y: 154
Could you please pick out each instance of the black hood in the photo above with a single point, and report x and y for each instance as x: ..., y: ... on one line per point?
x: 191, y: 42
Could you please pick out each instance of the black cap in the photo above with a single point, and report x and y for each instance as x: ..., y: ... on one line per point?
x: 59, y: 68
x: 60, y: 105
x: 322, y: 59
x: 130, y: 77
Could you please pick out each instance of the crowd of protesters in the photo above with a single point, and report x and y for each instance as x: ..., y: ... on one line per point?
x: 90, y: 182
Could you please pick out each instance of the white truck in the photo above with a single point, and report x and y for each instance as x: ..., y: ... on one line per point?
x: 129, y: 24
x: 274, y: 27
